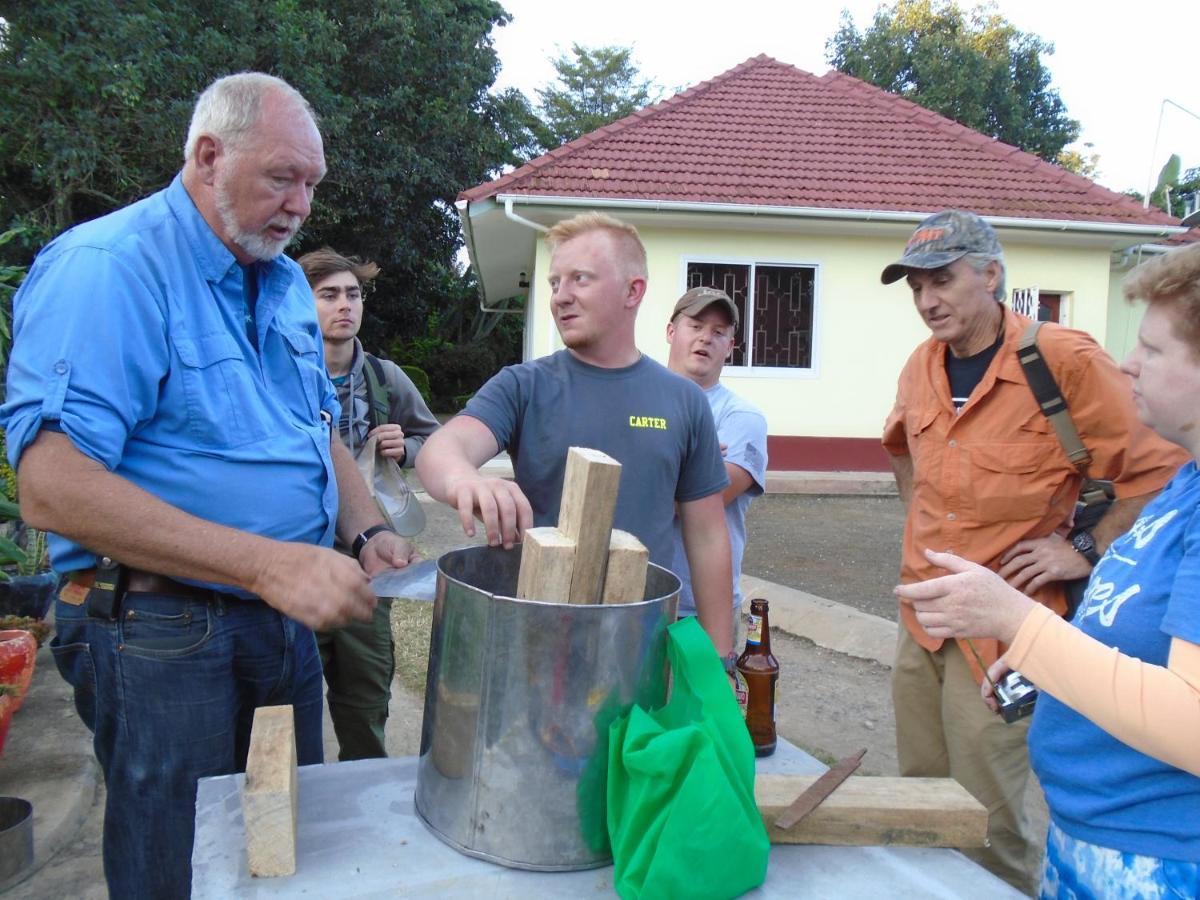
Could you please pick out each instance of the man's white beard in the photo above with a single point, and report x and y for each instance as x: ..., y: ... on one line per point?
x: 256, y: 245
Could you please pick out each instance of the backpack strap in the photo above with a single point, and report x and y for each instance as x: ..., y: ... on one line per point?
x: 1050, y: 399
x: 377, y: 394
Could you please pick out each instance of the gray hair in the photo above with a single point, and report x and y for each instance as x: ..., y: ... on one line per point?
x: 979, y: 262
x: 230, y: 107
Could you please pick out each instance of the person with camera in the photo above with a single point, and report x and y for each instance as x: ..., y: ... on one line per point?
x: 378, y: 401
x: 983, y: 473
x: 1115, y: 739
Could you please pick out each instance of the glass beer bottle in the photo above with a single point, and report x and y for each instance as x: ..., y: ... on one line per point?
x: 760, y: 668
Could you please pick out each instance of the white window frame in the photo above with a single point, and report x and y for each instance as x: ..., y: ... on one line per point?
x: 814, y: 370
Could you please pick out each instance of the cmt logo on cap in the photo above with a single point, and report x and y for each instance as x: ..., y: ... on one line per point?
x: 924, y: 236
x: 647, y: 422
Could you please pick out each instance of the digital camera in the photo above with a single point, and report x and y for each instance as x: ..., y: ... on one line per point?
x: 1016, y: 695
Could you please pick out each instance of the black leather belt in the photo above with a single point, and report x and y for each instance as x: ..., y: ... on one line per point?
x: 142, y: 582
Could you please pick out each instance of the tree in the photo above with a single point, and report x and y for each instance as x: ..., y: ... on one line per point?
x: 978, y: 70
x: 1085, y: 162
x: 1173, y: 187
x: 594, y: 86
x: 95, y: 97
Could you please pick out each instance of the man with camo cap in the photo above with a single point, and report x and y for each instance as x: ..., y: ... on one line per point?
x: 983, y: 474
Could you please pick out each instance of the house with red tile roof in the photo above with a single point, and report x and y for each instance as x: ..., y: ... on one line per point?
x: 792, y: 192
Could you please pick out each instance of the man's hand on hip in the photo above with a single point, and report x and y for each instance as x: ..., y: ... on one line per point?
x: 387, y: 550
x: 1036, y: 562
x: 316, y: 586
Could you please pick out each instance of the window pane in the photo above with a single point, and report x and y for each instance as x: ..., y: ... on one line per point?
x: 783, y: 316
x: 733, y: 279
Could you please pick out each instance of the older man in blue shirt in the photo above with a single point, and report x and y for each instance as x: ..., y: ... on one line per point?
x: 168, y: 415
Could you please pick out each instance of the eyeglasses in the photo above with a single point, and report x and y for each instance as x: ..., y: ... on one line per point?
x: 353, y: 294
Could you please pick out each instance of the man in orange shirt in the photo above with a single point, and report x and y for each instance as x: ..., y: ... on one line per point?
x: 984, y: 476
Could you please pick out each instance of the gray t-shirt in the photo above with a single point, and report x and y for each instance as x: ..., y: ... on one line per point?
x: 743, y: 431
x: 652, y: 421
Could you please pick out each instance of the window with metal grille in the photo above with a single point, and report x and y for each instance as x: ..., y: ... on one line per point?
x: 775, y: 303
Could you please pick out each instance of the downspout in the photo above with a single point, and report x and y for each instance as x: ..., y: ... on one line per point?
x: 528, y: 223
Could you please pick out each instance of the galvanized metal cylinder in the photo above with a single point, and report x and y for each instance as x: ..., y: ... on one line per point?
x: 520, y: 694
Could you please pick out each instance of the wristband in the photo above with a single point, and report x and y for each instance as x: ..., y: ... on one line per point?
x: 361, y: 541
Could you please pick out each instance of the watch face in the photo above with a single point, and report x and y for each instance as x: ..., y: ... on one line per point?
x: 1085, y: 545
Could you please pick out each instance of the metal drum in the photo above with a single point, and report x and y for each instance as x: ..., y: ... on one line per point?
x: 514, y: 744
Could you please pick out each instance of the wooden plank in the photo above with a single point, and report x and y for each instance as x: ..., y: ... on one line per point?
x: 269, y: 794
x: 589, y: 498
x: 870, y: 811
x: 547, y: 561
x: 625, y: 578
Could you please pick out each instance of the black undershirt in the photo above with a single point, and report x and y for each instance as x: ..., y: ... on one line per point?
x: 965, y: 372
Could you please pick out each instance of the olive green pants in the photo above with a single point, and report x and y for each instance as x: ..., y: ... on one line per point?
x: 944, y: 729
x: 359, y: 664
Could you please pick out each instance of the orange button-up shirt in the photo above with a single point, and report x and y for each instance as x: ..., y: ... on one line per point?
x: 995, y: 473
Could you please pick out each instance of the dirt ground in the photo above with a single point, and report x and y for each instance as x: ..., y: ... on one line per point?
x: 841, y: 548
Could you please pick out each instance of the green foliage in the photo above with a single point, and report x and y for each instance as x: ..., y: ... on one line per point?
x: 594, y: 86
x: 1082, y: 162
x: 11, y: 277
x: 975, y: 68
x: 1173, y: 185
x: 1189, y: 183
x: 1168, y: 178
x: 96, y: 98
x: 420, y: 379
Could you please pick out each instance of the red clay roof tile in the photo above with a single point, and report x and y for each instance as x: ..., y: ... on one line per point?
x: 767, y: 133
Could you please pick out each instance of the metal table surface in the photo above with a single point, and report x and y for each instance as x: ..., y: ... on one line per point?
x: 359, y: 836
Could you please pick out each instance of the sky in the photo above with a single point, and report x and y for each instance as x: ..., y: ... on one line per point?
x: 1112, y: 69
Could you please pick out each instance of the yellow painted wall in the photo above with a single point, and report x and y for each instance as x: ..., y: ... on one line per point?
x: 863, y: 331
x: 1123, y: 318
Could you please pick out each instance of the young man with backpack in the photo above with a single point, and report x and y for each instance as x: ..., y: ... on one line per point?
x: 378, y: 400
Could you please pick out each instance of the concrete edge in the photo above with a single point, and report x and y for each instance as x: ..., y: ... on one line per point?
x: 827, y: 623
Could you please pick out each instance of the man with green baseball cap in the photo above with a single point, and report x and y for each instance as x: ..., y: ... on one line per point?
x: 983, y: 474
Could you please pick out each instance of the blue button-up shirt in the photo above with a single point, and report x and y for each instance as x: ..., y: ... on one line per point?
x: 130, y: 338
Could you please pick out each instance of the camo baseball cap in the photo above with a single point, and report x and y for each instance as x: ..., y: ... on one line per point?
x: 940, y: 240
x: 699, y: 299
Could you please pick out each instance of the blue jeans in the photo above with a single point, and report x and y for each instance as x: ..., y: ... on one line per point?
x: 169, y: 691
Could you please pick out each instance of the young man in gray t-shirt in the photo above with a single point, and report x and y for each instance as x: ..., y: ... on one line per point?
x: 601, y: 393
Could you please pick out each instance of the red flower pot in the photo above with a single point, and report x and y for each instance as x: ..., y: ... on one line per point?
x: 18, y: 652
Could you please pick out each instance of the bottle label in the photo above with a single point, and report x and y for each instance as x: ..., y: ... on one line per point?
x: 741, y: 692
x: 754, y: 629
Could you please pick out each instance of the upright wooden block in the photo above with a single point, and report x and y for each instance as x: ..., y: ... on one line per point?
x: 269, y: 795
x: 625, y: 580
x: 547, y: 561
x: 866, y: 811
x: 585, y: 515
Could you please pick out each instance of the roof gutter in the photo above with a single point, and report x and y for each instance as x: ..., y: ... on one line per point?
x: 812, y: 212
x: 462, y: 207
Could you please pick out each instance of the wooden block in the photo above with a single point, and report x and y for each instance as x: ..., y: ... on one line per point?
x: 547, y: 561
x: 625, y: 579
x: 869, y: 811
x: 269, y: 794
x: 589, y: 498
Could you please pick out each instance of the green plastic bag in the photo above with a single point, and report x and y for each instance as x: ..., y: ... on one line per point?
x: 681, y: 811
